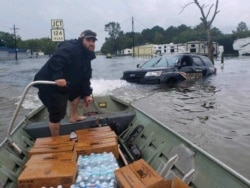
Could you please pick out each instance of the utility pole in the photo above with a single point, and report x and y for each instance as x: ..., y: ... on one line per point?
x: 14, y: 28
x: 133, y: 36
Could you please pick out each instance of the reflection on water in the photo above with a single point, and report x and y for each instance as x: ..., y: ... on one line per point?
x: 213, y: 113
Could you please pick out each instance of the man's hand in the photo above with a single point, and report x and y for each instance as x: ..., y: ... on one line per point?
x: 87, y: 101
x: 61, y: 82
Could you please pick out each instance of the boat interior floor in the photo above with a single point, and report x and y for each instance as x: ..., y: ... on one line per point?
x: 118, y: 121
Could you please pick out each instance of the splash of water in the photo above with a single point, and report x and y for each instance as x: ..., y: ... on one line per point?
x: 101, y: 87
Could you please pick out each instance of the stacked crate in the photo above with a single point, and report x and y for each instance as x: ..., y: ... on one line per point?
x: 53, y: 159
x: 52, y: 145
x: 52, y: 162
x: 96, y: 140
x: 140, y: 174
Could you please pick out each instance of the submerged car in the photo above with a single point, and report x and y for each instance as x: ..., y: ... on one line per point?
x: 171, y: 69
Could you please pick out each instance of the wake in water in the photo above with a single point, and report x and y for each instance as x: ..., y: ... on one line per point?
x: 101, y: 87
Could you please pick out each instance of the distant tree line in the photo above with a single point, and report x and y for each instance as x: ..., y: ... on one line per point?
x: 118, y: 40
x: 179, y: 34
x: 44, y: 44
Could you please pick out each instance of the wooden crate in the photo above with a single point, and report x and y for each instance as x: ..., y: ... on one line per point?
x: 97, y: 146
x: 139, y: 174
x: 94, y: 130
x: 143, y: 172
x: 82, y: 136
x: 52, y: 149
x: 52, y: 141
x: 50, y: 174
x: 52, y: 157
x: 127, y: 179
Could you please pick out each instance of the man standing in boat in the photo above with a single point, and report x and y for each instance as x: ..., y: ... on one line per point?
x: 70, y: 68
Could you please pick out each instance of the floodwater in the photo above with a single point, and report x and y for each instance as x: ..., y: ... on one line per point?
x: 212, y: 113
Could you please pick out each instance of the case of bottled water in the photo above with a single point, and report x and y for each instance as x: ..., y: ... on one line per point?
x: 96, y: 171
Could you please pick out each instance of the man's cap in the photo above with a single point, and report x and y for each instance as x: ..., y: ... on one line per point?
x: 88, y: 34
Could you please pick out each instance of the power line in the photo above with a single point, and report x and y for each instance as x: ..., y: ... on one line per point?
x: 145, y: 27
x: 14, y: 28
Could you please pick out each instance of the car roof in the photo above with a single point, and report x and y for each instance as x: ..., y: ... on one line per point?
x: 182, y: 54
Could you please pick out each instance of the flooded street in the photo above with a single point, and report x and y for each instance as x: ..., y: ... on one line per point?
x: 212, y: 113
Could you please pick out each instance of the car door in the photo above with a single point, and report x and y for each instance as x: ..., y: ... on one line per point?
x: 199, y: 67
x: 186, y: 67
x: 193, y: 66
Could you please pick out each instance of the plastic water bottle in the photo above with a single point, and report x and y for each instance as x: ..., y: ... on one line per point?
x: 75, y: 186
x: 82, y: 184
x: 96, y: 170
x: 73, y: 136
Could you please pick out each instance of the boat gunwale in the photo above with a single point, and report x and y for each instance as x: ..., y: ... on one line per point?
x: 21, y: 123
x: 221, y: 164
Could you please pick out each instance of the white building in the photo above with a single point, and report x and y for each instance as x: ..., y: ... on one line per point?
x: 201, y: 47
x: 197, y: 47
x: 126, y: 51
x: 169, y: 48
x: 242, y: 45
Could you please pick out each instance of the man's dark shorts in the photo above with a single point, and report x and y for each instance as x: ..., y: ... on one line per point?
x: 56, y: 101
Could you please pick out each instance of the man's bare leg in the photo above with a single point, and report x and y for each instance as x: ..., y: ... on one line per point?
x: 54, y: 128
x: 74, y: 111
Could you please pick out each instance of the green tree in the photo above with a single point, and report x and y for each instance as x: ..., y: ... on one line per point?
x: 148, y: 35
x: 227, y: 42
x: 108, y: 46
x: 242, y: 27
x: 154, y: 35
x: 44, y: 44
x: 158, y: 38
x: 179, y: 34
x: 241, y: 31
x: 7, y: 39
x: 185, y: 36
x: 182, y: 28
x: 170, y: 33
x: 113, y: 30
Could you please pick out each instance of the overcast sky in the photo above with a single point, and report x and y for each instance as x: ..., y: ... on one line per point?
x: 33, y: 17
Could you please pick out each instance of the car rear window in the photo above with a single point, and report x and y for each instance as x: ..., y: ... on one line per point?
x: 198, y: 61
